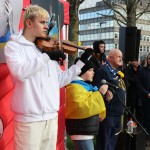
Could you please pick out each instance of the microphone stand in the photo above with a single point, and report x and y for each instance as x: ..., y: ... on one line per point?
x: 128, y: 111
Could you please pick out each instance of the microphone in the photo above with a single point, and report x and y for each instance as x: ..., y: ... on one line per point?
x: 112, y: 85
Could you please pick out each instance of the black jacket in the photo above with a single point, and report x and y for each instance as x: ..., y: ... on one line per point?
x: 86, y: 126
x: 114, y: 107
x: 132, y: 84
x: 144, y: 88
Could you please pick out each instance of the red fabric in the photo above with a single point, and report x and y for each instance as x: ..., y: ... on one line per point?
x: 6, y: 89
x: 61, y: 113
x: 25, y: 4
x: 61, y: 120
x: 66, y: 12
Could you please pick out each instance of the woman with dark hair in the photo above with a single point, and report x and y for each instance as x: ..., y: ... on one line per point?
x: 144, y: 89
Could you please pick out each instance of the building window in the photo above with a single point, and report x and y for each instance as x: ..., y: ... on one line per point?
x: 94, y: 26
x: 116, y: 35
x: 140, y: 48
x: 147, y: 48
x: 116, y: 46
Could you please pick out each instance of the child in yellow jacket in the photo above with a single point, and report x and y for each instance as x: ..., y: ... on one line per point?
x: 84, y: 107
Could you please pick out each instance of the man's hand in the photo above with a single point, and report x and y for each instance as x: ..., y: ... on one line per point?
x: 87, y: 55
x: 103, y: 89
x: 56, y: 55
x: 109, y: 95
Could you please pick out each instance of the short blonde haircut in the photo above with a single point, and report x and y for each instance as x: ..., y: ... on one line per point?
x: 33, y: 11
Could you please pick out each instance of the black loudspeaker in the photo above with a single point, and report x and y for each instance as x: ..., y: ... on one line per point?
x: 138, y: 37
x: 129, y: 42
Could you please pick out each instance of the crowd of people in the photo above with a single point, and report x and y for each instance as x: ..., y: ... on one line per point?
x: 93, y: 106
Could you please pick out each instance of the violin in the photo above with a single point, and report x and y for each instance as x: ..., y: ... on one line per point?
x: 46, y: 44
x: 49, y: 43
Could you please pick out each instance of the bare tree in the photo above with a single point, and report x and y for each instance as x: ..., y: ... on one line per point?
x: 74, y: 24
x: 128, y: 14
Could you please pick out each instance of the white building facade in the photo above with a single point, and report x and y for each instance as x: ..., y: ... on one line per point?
x: 96, y: 22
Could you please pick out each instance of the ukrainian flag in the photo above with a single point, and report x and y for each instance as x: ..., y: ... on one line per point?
x: 3, y: 41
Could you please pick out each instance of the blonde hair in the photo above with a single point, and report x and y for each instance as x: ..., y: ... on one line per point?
x: 33, y: 11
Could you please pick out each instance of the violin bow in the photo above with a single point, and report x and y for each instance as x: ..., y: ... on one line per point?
x: 59, y: 31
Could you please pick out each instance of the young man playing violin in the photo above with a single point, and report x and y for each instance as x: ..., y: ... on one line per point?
x: 37, y: 78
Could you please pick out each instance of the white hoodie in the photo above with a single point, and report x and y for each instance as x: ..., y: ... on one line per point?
x: 37, y: 80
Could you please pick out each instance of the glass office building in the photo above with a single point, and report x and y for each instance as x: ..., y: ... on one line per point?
x: 97, y: 23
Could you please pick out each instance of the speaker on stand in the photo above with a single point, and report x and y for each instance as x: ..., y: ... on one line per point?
x: 129, y: 42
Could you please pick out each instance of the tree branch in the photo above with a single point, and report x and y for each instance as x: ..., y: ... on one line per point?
x: 114, y: 9
x: 146, y: 10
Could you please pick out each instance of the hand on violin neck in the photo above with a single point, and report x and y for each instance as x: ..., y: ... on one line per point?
x: 57, y: 55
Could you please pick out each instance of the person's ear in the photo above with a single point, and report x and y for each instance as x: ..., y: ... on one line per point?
x: 29, y: 23
x: 111, y: 57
